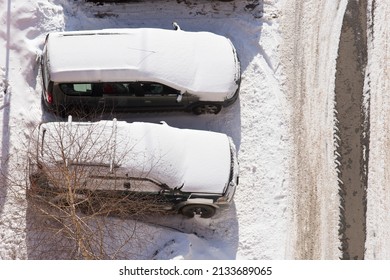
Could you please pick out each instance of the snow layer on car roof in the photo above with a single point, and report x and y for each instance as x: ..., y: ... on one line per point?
x: 197, y: 160
x: 202, y: 63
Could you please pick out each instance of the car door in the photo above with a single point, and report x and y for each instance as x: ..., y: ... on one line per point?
x: 118, y: 96
x: 123, y: 185
x: 77, y: 95
x: 159, y: 96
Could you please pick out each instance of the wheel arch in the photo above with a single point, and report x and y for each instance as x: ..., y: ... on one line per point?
x: 203, y: 201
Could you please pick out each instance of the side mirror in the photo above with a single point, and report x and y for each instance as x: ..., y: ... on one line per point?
x: 38, y: 58
x: 175, y: 26
x: 179, y: 98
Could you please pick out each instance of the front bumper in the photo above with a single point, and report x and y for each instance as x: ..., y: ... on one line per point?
x: 234, y: 177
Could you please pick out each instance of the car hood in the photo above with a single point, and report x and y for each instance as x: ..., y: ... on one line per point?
x: 190, y: 160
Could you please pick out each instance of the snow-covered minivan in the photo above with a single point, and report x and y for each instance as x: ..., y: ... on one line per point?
x: 139, y: 69
x: 140, y: 165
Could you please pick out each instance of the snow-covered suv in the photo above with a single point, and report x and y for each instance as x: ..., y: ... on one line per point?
x: 140, y: 69
x: 181, y: 170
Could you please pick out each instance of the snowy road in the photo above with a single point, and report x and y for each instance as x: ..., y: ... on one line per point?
x: 312, y: 30
x: 353, y: 129
x: 337, y: 60
x: 378, y: 84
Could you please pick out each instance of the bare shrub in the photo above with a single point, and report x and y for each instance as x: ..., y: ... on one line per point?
x: 78, y: 198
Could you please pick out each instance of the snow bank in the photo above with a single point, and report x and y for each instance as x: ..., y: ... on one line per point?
x: 377, y: 87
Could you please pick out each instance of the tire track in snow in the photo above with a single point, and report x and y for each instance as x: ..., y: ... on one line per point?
x: 307, y: 210
x: 353, y: 129
x: 311, y: 39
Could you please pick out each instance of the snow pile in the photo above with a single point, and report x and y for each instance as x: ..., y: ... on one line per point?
x: 378, y: 86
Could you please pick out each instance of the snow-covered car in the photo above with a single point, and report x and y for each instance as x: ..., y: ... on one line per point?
x: 139, y: 69
x: 191, y: 172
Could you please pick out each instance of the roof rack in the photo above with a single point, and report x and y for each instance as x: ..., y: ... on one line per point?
x: 112, y: 143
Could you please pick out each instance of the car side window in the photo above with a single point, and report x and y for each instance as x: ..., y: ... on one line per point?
x: 156, y: 89
x: 116, y: 89
x: 77, y: 88
x: 148, y: 89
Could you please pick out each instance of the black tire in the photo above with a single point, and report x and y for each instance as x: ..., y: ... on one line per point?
x: 205, y: 211
x: 207, y: 109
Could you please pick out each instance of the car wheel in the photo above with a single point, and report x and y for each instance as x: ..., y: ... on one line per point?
x: 205, y: 211
x: 207, y: 109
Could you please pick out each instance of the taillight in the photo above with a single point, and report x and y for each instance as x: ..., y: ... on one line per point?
x: 49, y: 97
